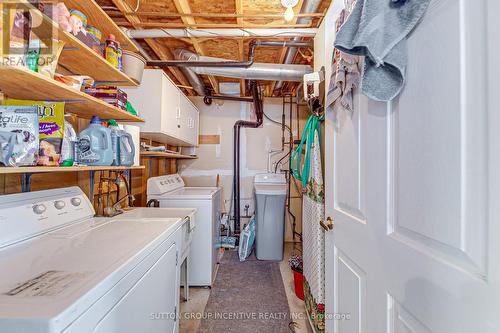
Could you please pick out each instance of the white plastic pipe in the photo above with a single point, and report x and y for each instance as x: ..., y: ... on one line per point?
x: 255, y: 32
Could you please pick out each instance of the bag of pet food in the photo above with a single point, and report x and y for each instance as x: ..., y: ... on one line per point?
x: 51, y: 129
x: 18, y: 135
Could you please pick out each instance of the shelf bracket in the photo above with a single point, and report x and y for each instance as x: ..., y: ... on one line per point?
x: 26, y: 182
x: 92, y: 183
x: 128, y: 177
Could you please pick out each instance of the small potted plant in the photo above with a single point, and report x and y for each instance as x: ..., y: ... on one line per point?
x: 296, y: 265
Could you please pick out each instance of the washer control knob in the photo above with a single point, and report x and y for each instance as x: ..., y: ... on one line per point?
x: 39, y: 209
x: 59, y: 204
x: 76, y: 201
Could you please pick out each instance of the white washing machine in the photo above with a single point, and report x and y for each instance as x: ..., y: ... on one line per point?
x: 65, y: 271
x: 170, y: 191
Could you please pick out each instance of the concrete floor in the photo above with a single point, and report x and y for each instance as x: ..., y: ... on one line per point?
x: 192, y: 310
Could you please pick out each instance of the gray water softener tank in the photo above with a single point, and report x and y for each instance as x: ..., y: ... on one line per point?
x: 270, y: 197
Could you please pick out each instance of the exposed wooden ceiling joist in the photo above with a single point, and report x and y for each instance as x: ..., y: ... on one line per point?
x: 160, y: 52
x: 213, y: 15
x: 241, y: 43
x: 285, y: 49
x: 184, y: 8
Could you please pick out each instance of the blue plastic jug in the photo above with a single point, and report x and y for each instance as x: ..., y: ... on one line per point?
x: 94, y: 144
x: 127, y: 148
x: 123, y: 145
x: 115, y: 140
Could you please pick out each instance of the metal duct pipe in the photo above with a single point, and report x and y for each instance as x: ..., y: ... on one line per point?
x: 189, y: 60
x: 258, y: 71
x: 141, y: 50
x: 256, y: 32
x: 309, y: 6
x: 195, y: 81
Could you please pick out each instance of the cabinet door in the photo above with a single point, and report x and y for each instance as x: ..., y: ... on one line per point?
x: 171, y: 113
x: 189, y: 122
x: 193, y: 124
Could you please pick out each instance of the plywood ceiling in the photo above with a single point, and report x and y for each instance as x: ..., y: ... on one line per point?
x: 211, y: 14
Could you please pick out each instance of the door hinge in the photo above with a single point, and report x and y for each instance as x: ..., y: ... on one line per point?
x: 175, y: 313
x: 177, y: 258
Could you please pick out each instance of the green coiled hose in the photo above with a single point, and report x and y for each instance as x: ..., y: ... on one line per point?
x: 313, y: 125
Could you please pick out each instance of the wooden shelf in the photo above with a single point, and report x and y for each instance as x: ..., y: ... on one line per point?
x: 167, y: 155
x: 41, y: 169
x: 98, y: 18
x: 77, y: 57
x: 22, y: 83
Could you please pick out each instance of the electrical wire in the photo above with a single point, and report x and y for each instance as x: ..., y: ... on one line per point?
x: 277, y: 122
x: 279, y: 161
x: 289, y: 131
x: 137, y: 6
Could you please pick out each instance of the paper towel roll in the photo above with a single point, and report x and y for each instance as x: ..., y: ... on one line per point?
x: 135, y: 132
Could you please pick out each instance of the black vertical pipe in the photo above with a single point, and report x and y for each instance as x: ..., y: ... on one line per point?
x: 283, y: 126
x: 290, y: 147
x: 236, y: 151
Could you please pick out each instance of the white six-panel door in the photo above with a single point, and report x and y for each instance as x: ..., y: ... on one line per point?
x: 414, y: 187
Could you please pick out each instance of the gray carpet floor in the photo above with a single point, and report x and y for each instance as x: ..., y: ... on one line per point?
x: 247, y: 297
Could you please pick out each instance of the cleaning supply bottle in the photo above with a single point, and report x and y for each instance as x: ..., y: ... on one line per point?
x: 33, y: 55
x: 68, y: 149
x: 115, y: 137
x: 111, y: 50
x: 127, y: 148
x: 94, y: 144
x: 123, y: 145
x: 119, y: 54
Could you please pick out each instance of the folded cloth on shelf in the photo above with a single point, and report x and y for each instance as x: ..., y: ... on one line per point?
x: 377, y: 29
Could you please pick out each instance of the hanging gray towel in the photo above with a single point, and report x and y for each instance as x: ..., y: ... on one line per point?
x: 377, y: 29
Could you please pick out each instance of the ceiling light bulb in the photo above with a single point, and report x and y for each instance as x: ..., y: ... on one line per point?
x: 289, y: 14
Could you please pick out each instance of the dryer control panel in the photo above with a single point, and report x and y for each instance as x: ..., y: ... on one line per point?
x: 164, y: 184
x: 25, y: 215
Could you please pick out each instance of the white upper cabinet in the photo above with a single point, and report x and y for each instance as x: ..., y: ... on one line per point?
x: 169, y: 115
x: 189, y: 121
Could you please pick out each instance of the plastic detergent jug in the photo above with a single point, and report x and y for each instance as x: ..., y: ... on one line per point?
x: 94, y: 144
x: 115, y: 135
x: 127, y: 148
x: 68, y: 149
x: 123, y: 145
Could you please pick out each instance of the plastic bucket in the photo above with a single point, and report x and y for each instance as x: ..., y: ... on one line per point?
x: 133, y: 65
x: 298, y: 279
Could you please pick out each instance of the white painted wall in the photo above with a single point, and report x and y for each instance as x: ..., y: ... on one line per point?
x: 216, y: 160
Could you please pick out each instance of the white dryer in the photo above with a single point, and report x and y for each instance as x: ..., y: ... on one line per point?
x: 170, y: 191
x: 187, y: 232
x: 65, y: 271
